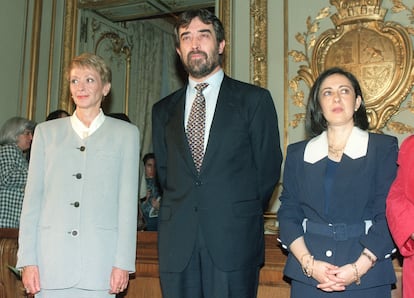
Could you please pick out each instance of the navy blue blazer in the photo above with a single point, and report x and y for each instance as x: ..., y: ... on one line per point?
x: 359, y: 192
x: 227, y: 199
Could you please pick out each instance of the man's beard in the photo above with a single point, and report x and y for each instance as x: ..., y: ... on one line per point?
x: 199, y: 68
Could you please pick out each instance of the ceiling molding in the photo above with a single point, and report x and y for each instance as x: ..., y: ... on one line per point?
x: 127, y: 10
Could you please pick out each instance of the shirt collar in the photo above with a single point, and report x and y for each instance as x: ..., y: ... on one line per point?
x: 213, y: 81
x: 81, y: 130
x: 356, y: 147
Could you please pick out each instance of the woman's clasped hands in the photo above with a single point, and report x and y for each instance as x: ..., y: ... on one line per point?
x: 333, y: 278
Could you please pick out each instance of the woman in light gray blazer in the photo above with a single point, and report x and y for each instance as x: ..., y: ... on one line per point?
x: 78, y: 224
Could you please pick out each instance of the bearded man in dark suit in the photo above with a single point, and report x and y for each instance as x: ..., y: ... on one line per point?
x: 211, y: 234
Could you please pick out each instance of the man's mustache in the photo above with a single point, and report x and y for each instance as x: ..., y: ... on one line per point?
x: 197, y: 53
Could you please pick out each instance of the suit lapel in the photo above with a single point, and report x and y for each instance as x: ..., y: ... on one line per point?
x: 223, y: 109
x: 177, y: 129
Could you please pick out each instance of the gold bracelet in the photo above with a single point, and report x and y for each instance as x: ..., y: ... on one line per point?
x: 356, y: 274
x: 306, y: 270
x: 364, y: 253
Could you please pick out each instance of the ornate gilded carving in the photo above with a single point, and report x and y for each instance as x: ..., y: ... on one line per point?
x: 225, y: 14
x: 378, y: 53
x: 258, y: 48
x: 120, y: 48
x: 307, y: 40
x: 396, y: 126
x: 114, y: 45
x: 69, y: 43
x: 399, y: 6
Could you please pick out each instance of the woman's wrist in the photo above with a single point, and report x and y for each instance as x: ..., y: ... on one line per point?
x: 371, y: 257
x: 357, y: 276
x: 363, y: 264
x: 307, y: 262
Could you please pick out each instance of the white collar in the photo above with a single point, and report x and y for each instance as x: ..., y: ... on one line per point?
x: 356, y: 147
x: 80, y: 128
x: 214, y: 81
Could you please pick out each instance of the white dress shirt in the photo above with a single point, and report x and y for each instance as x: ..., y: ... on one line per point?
x: 210, y: 94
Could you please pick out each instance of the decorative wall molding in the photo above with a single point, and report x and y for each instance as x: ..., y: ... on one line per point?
x: 34, y: 59
x: 258, y: 44
x: 119, y: 49
x: 225, y: 9
x: 395, y: 125
x: 51, y: 48
x: 69, y: 44
x: 378, y: 53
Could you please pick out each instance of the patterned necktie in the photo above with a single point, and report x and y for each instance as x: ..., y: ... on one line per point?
x: 196, y: 126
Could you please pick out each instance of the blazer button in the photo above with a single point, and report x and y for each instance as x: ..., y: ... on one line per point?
x: 76, y: 204
x: 74, y: 233
x: 78, y: 175
x: 82, y: 148
x: 328, y: 253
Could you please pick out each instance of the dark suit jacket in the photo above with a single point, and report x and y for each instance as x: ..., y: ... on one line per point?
x: 227, y: 199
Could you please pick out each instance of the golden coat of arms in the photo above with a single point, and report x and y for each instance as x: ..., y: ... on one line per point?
x: 378, y: 53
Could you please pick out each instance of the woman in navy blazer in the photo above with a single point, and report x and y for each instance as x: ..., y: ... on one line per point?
x: 332, y: 214
x: 78, y: 225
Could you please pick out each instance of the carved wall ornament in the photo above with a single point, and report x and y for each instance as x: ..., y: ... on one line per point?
x: 258, y: 48
x: 399, y: 6
x: 69, y: 43
x: 225, y: 8
x: 396, y: 126
x: 120, y: 51
x: 378, y: 53
x: 307, y: 40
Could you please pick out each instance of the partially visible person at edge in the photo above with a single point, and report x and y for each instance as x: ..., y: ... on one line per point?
x: 78, y: 225
x: 210, y: 227
x: 51, y: 116
x: 15, y: 139
x: 332, y: 214
x: 150, y: 204
x: 400, y: 213
x: 57, y: 114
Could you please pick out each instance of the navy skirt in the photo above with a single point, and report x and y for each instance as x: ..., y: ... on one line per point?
x: 301, y: 290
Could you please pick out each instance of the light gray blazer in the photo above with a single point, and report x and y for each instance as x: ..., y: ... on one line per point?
x: 80, y: 206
